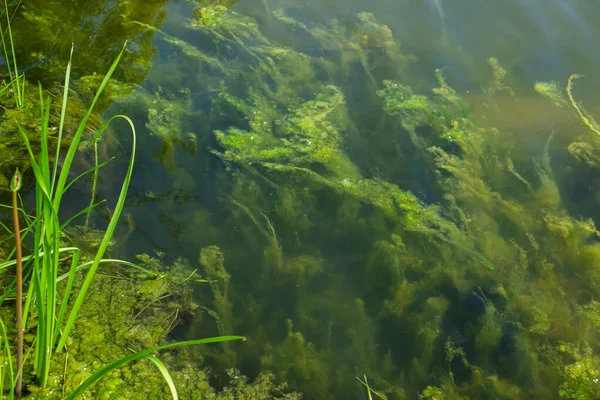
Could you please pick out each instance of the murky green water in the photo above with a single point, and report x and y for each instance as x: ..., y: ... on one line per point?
x: 432, y: 230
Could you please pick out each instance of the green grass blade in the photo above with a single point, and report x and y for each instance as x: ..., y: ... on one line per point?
x: 65, y: 300
x: 95, y: 178
x: 4, y: 89
x: 105, y: 240
x: 370, y: 391
x: 28, y: 301
x: 84, y: 211
x: 8, y: 358
x: 37, y: 171
x: 43, y: 157
x: 94, y: 182
x: 41, y: 254
x: 63, y: 112
x: 96, y: 376
x: 110, y: 261
x: 62, y: 179
x: 165, y: 373
x: 20, y: 95
x: 14, y: 76
x: 87, y: 172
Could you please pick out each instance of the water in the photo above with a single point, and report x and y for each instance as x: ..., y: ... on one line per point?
x: 431, y: 254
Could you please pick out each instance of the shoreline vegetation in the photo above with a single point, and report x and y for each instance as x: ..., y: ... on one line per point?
x: 53, y: 316
x: 370, y: 238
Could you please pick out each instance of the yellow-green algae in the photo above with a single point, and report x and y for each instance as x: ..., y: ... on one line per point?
x: 463, y: 295
x: 488, y: 289
x: 126, y: 312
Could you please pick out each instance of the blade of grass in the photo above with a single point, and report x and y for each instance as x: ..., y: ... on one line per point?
x: 20, y: 94
x: 96, y: 376
x: 110, y: 261
x: 94, y: 182
x: 63, y: 112
x: 105, y: 240
x: 84, y: 211
x: 62, y: 179
x: 165, y: 373
x: 8, y: 358
x: 8, y: 264
x: 370, y: 391
x: 67, y: 294
x: 87, y: 172
x: 13, y: 71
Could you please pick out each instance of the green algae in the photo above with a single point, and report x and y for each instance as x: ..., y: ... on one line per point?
x: 364, y: 41
x: 485, y: 290
x: 286, y: 144
x: 124, y: 313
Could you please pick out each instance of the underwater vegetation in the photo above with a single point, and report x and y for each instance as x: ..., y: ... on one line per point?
x: 348, y: 221
x: 476, y: 290
x: 42, y: 35
x: 46, y: 315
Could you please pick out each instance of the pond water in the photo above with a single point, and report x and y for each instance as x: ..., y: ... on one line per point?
x: 391, y: 194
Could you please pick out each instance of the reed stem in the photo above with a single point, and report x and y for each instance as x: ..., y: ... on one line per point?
x: 15, y: 186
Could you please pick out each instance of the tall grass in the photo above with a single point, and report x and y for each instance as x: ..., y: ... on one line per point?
x: 56, y: 314
x: 55, y: 323
x: 16, y: 80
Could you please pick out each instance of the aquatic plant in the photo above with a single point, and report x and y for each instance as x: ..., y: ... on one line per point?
x: 586, y: 119
x: 6, y: 37
x: 56, y: 316
x: 441, y: 272
x: 365, y: 41
x: 15, y: 185
x: 371, y: 391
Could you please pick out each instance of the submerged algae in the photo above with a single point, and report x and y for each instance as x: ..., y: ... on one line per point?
x: 451, y: 295
x: 126, y: 312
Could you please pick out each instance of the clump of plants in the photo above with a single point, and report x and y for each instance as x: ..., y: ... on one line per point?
x: 54, y: 307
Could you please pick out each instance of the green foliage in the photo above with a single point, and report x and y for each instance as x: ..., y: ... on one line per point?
x: 165, y: 113
x: 446, y: 113
x: 212, y: 259
x: 309, y: 134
